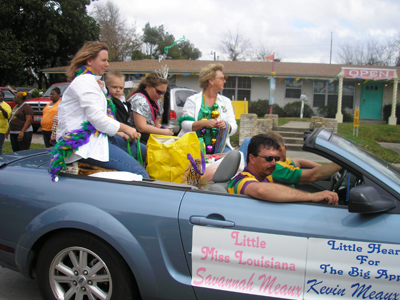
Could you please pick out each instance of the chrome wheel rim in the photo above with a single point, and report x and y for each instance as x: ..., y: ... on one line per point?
x: 78, y: 273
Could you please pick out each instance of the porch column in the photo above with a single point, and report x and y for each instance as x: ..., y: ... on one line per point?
x: 392, y: 118
x: 339, y: 115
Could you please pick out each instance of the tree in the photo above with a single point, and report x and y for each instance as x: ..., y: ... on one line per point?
x: 155, y: 39
x: 370, y: 52
x: 262, y: 51
x: 151, y: 37
x: 121, y: 39
x: 236, y: 47
x: 38, y: 34
x: 395, y: 50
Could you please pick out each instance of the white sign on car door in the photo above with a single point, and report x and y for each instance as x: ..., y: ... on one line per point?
x: 294, y: 267
x: 249, y: 262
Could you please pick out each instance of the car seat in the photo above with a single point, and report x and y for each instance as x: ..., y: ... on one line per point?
x: 225, y: 171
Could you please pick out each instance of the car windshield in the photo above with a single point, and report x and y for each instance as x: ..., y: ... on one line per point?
x: 182, y: 95
x: 62, y: 88
x: 375, y: 162
x: 8, y: 95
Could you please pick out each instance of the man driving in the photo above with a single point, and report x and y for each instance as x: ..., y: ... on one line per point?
x: 262, y: 155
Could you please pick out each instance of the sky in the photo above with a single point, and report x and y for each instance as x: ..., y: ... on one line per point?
x: 297, y: 30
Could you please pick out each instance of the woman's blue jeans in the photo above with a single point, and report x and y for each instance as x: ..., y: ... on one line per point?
x: 119, y: 159
x: 243, y: 148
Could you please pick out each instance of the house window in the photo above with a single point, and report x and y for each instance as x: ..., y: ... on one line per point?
x: 326, y: 93
x: 293, y: 88
x: 237, y: 87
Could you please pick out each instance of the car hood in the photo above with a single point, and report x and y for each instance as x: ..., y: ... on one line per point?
x: 39, y: 99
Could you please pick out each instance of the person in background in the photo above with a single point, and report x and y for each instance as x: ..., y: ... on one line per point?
x: 49, y: 112
x: 5, y: 111
x: 147, y: 108
x: 53, y: 136
x: 86, y: 127
x: 20, y: 129
x: 210, y: 114
x: 262, y: 156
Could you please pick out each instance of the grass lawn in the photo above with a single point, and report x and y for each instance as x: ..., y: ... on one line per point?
x: 370, y: 135
x: 7, y: 147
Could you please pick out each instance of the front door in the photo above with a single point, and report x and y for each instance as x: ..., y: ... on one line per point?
x: 371, y: 101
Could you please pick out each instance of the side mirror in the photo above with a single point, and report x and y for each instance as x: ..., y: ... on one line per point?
x: 366, y: 200
x: 40, y: 94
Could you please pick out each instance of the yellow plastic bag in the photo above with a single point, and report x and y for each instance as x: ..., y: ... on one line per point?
x: 167, y: 156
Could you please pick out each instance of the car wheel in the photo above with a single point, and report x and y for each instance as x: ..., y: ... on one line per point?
x: 35, y: 128
x: 80, y: 266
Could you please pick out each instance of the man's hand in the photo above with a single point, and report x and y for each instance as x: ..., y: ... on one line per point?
x: 329, y: 196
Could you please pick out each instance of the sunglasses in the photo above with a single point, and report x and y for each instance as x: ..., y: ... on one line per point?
x: 159, y: 92
x: 270, y: 158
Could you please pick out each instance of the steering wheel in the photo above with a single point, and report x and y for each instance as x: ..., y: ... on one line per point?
x: 339, y: 180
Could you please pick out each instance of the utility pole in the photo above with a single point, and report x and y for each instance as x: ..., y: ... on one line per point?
x: 213, y: 52
x: 330, y: 60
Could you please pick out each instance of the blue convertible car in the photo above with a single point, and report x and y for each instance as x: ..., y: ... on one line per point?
x: 92, y: 238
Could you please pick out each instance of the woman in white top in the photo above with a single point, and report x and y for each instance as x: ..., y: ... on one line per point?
x: 86, y: 123
x: 210, y: 114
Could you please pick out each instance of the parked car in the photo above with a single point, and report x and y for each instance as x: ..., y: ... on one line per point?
x: 92, y: 238
x: 38, y: 104
x: 174, y: 100
x: 8, y: 96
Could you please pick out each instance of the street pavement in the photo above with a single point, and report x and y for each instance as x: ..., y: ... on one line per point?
x: 14, y: 286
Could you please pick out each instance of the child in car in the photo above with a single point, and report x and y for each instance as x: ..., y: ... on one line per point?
x: 115, y: 83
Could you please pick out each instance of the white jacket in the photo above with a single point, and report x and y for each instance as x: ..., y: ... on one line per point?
x: 192, y: 108
x: 84, y: 101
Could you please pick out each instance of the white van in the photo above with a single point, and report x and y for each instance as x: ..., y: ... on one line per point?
x: 174, y: 100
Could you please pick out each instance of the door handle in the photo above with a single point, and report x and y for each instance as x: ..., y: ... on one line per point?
x: 204, y: 221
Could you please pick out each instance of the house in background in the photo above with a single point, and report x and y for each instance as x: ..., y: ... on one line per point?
x: 366, y: 87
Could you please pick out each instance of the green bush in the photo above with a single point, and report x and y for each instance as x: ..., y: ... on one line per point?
x: 277, y: 110
x: 260, y: 107
x: 35, y: 93
x: 329, y: 111
x: 293, y: 110
x: 387, y: 111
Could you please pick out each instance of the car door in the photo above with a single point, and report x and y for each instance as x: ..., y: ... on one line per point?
x: 290, y: 223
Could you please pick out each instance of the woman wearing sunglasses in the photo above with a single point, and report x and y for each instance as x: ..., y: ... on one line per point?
x: 147, y: 108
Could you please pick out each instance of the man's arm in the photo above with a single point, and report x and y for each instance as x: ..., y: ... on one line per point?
x: 319, y: 173
x: 304, y: 163
x: 280, y: 193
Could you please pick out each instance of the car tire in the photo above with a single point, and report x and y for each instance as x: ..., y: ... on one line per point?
x: 35, y: 128
x: 78, y: 265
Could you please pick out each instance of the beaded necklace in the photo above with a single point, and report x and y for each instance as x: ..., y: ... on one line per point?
x: 210, y: 148
x: 111, y: 109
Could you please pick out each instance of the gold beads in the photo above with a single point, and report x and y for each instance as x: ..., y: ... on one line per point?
x: 215, y: 114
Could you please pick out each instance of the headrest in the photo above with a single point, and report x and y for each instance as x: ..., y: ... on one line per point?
x: 228, y: 167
